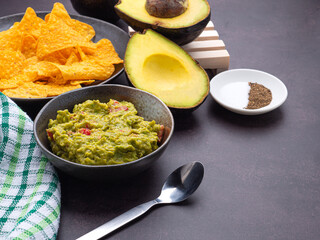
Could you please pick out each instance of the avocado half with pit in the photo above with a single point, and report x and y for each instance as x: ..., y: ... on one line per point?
x: 181, y: 29
x: 102, y: 9
x: 157, y: 65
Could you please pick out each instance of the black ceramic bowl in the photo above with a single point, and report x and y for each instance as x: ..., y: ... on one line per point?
x: 147, y: 105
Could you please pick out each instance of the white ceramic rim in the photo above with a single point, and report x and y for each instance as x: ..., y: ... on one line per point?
x: 222, y: 77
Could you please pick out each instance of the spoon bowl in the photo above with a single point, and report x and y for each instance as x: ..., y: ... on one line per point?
x: 178, y: 187
x: 182, y: 183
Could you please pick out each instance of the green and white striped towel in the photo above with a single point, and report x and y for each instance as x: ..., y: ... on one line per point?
x: 29, y: 185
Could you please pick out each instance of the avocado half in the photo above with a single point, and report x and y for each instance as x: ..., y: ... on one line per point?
x: 102, y: 9
x: 181, y: 29
x: 157, y: 65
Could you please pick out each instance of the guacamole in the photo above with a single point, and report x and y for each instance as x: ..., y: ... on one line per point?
x: 97, y: 133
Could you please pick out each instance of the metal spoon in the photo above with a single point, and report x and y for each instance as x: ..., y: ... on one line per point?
x: 179, y: 186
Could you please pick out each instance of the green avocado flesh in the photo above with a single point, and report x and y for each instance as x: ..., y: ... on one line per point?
x: 197, y: 10
x: 97, y: 133
x: 159, y: 66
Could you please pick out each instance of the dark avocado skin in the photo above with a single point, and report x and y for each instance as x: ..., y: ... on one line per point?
x: 102, y: 9
x: 185, y: 111
x: 181, y: 36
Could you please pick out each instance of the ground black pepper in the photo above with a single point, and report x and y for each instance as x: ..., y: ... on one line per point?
x: 259, y: 96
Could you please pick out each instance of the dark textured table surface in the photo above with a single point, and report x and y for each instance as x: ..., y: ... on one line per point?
x: 262, y: 173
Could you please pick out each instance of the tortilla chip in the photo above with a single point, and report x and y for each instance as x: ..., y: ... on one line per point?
x: 26, y: 90
x: 50, y: 72
x: 31, y: 61
x: 84, y: 29
x: 55, y: 89
x: 57, y: 35
x: 11, y: 63
x: 39, y: 90
x: 82, y: 55
x: 7, y: 84
x: 106, y: 51
x: 56, y: 57
x: 10, y: 39
x: 85, y: 82
x: 31, y: 23
x: 86, y: 70
x: 28, y: 46
x: 17, y: 80
x: 73, y: 58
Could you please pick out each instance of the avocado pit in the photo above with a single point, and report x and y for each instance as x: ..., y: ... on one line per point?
x: 166, y: 8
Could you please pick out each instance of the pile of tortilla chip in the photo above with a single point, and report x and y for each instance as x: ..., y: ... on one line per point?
x: 42, y: 58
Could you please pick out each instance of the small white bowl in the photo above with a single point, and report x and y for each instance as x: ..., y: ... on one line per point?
x: 231, y: 88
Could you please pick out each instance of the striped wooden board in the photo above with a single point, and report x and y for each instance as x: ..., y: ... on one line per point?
x: 207, y: 49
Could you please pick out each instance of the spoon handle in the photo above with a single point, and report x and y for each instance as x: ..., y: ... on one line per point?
x: 119, y: 221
